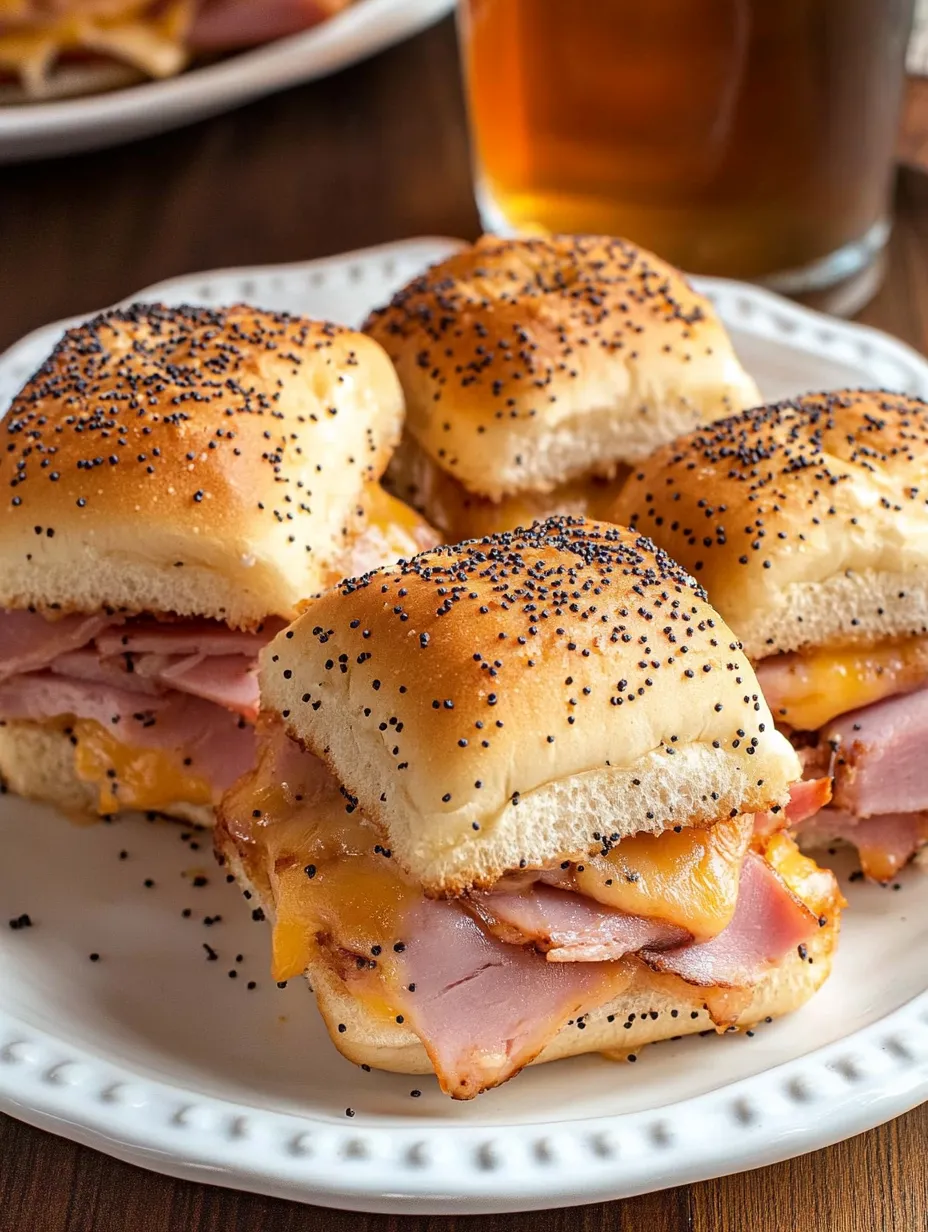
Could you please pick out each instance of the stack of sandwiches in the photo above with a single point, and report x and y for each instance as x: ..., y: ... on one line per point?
x: 537, y: 371
x: 520, y: 799
x: 807, y: 523
x: 177, y: 481
x: 533, y: 794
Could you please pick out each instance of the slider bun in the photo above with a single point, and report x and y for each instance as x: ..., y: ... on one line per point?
x: 207, y: 462
x: 37, y: 762
x: 526, y: 363
x: 520, y: 698
x: 806, y: 521
x: 379, y: 1041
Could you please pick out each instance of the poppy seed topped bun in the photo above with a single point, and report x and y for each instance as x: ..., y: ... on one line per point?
x: 527, y: 363
x: 526, y: 697
x: 208, y: 462
x: 806, y: 521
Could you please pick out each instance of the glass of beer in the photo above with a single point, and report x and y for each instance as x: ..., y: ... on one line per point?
x: 747, y: 138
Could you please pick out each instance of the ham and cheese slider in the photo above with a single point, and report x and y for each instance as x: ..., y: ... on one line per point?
x: 807, y: 523
x: 537, y: 370
x: 505, y: 806
x: 175, y: 481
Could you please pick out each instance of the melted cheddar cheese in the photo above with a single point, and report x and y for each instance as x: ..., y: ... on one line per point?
x: 814, y: 886
x: 334, y: 890
x: 127, y: 777
x: 353, y: 905
x: 688, y: 878
x: 806, y: 691
x: 334, y: 887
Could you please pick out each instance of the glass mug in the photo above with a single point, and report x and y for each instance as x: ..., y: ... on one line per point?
x: 747, y: 138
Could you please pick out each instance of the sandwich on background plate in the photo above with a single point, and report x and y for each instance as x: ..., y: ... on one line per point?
x: 536, y: 371
x: 176, y: 481
x: 807, y: 523
x: 56, y: 48
x: 518, y: 799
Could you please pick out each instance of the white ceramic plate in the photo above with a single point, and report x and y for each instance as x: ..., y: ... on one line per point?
x: 154, y: 1054
x: 37, y: 130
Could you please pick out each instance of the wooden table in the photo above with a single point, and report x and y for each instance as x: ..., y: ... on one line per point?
x: 374, y: 154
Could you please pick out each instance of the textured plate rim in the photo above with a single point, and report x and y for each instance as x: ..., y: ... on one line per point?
x: 828, y: 1094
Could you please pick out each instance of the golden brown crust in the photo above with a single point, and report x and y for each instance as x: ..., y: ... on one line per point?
x: 526, y: 363
x: 805, y: 520
x: 204, y: 461
x: 524, y: 697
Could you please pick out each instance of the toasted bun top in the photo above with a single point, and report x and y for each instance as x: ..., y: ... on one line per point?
x: 526, y: 363
x: 527, y: 696
x: 806, y: 521
x: 202, y: 461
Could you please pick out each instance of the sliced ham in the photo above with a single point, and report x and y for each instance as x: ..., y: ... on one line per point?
x: 44, y: 695
x: 568, y: 927
x: 222, y: 25
x: 880, y: 764
x: 28, y: 641
x: 885, y: 842
x: 187, y: 687
x: 482, y: 1008
x: 213, y: 743
x: 120, y: 672
x: 805, y: 799
x: 228, y: 680
x: 221, y: 746
x: 186, y: 637
x: 768, y: 922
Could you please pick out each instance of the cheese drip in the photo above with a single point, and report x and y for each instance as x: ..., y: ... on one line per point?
x: 127, y: 777
x: 688, y: 878
x: 806, y: 691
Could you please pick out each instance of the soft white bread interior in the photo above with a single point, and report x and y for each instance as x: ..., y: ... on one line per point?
x: 528, y: 362
x: 806, y: 521
x: 208, y: 462
x: 37, y: 761
x: 653, y: 1007
x: 527, y: 697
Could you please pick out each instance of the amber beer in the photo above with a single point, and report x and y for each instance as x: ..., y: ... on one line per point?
x: 749, y: 138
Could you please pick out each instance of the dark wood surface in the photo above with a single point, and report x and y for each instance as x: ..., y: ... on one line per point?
x: 373, y: 154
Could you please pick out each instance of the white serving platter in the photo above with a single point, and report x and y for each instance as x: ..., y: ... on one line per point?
x: 155, y: 1055
x: 67, y: 126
